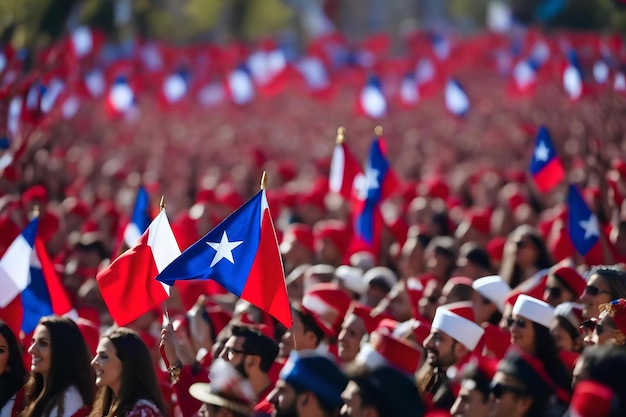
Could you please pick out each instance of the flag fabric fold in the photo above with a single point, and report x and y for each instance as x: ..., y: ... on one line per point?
x: 241, y: 254
x: 128, y: 285
x: 344, y: 168
x: 15, y: 264
x: 545, y: 166
x: 140, y: 219
x: 583, y: 224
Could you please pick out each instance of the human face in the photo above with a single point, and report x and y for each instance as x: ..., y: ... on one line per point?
x: 526, y: 252
x: 4, y: 354
x: 352, y: 332
x: 283, y: 398
x: 302, y: 339
x: 596, y: 293
x: 509, y: 399
x: 107, y: 365
x: 556, y: 293
x: 470, y: 402
x: 562, y: 338
x: 41, y: 351
x: 234, y: 353
x: 483, y: 308
x: 522, y: 334
x: 400, y: 304
x: 440, y: 349
x: 430, y: 300
x: 353, y: 404
x: 603, y: 330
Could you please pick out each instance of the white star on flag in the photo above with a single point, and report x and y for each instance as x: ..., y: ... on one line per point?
x: 590, y: 227
x: 223, y: 249
x: 542, y: 152
x: 364, y: 183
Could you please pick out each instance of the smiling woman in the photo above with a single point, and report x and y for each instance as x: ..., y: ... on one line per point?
x: 61, y: 382
x: 127, y: 383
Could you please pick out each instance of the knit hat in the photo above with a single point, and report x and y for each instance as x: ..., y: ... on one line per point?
x: 457, y: 321
x: 534, y: 310
x: 493, y: 288
x: 571, y: 278
x: 311, y: 370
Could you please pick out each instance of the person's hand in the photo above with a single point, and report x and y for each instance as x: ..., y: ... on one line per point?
x: 167, y: 346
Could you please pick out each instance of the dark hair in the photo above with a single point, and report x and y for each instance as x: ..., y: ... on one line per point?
x: 69, y: 366
x: 569, y: 328
x: 139, y: 380
x: 15, y: 375
x: 380, y: 284
x: 370, y: 394
x: 614, y: 277
x: 606, y: 364
x: 548, y: 353
x: 309, y: 325
x: 510, y: 271
x: 256, y: 343
x: 473, y: 373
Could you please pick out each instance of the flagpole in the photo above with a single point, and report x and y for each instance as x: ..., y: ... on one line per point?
x: 264, y: 180
x: 166, y: 313
x: 378, y: 130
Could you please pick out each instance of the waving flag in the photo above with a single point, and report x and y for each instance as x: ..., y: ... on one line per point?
x: 28, y: 278
x: 545, y: 166
x: 128, y: 285
x: 239, y: 86
x: 457, y: 101
x: 584, y: 228
x: 139, y: 220
x: 344, y: 168
x: 573, y: 77
x: 241, y: 254
x: 371, y: 188
x: 371, y: 101
x: 409, y: 94
x: 120, y: 98
x: 524, y: 79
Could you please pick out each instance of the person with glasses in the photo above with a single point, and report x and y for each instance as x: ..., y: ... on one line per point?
x: 610, y: 328
x: 520, y: 387
x: 525, y: 255
x: 530, y: 332
x: 605, y: 283
x: 563, y: 284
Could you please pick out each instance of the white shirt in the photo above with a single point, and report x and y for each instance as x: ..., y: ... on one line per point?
x: 72, y: 402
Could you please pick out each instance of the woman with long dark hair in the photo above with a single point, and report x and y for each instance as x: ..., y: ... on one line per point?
x: 126, y: 380
x: 12, y: 373
x: 61, y: 381
x: 525, y: 255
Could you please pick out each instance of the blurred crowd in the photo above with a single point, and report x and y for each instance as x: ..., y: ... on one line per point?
x: 477, y: 303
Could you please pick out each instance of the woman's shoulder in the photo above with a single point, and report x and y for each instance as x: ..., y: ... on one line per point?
x: 144, y: 408
x: 73, y: 404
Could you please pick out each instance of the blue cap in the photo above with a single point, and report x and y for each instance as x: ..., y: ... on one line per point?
x: 314, y: 371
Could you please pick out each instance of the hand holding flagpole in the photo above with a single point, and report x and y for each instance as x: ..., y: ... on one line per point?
x: 341, y: 135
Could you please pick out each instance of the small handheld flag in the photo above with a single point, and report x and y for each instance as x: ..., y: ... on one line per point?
x: 545, y: 166
x: 584, y: 228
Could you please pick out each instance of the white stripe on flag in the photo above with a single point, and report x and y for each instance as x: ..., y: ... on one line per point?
x: 163, y: 243
x: 15, y: 270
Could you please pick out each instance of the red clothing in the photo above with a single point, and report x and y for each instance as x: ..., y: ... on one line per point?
x: 144, y: 408
x: 189, y: 406
x: 264, y: 408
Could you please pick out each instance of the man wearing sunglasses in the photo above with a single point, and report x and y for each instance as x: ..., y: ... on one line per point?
x: 520, y: 387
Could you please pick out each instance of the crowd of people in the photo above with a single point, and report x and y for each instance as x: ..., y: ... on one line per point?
x: 476, y: 304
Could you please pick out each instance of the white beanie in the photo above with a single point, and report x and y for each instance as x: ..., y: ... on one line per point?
x: 460, y: 327
x: 534, y: 310
x: 493, y: 288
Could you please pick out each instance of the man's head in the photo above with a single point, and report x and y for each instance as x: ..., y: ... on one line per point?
x: 306, y: 331
x: 474, y: 396
x: 249, y: 351
x: 380, y: 392
x: 310, y: 384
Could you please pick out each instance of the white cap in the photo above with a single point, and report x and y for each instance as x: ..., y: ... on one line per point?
x: 493, y: 288
x: 351, y: 278
x: 534, y: 310
x: 458, y: 327
x: 381, y: 272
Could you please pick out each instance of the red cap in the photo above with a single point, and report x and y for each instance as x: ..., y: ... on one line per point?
x: 480, y: 220
x: 35, y: 193
x: 464, y: 309
x: 299, y: 232
x: 572, y: 278
x: 421, y: 330
x: 435, y: 188
x: 364, y: 313
x: 495, y: 248
x: 386, y: 326
x: 228, y: 197
x: 334, y: 230
x: 496, y: 340
x: 218, y: 316
x: 398, y: 353
x: 592, y: 399
x: 328, y: 301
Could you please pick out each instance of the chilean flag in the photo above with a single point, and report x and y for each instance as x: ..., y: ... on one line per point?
x: 545, y: 166
x: 409, y: 94
x: 241, y: 254
x: 371, y: 189
x: 121, y: 97
x: 29, y: 282
x: 128, y: 284
x: 371, y: 100
x: 524, y: 79
x: 139, y: 220
x: 583, y: 225
x: 573, y: 78
x: 239, y: 86
x: 175, y: 87
x: 344, y: 168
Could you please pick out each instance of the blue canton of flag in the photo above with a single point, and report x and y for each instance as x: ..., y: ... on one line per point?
x: 584, y: 229
x: 225, y: 254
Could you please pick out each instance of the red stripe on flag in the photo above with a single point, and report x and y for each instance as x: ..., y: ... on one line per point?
x: 265, y: 287
x: 550, y: 176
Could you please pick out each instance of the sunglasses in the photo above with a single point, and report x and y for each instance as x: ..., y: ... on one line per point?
x: 521, y: 323
x: 587, y: 327
x: 554, y: 292
x: 520, y: 244
x: 498, y: 390
x: 593, y: 291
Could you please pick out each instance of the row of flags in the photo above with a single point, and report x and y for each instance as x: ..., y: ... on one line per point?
x: 240, y: 253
